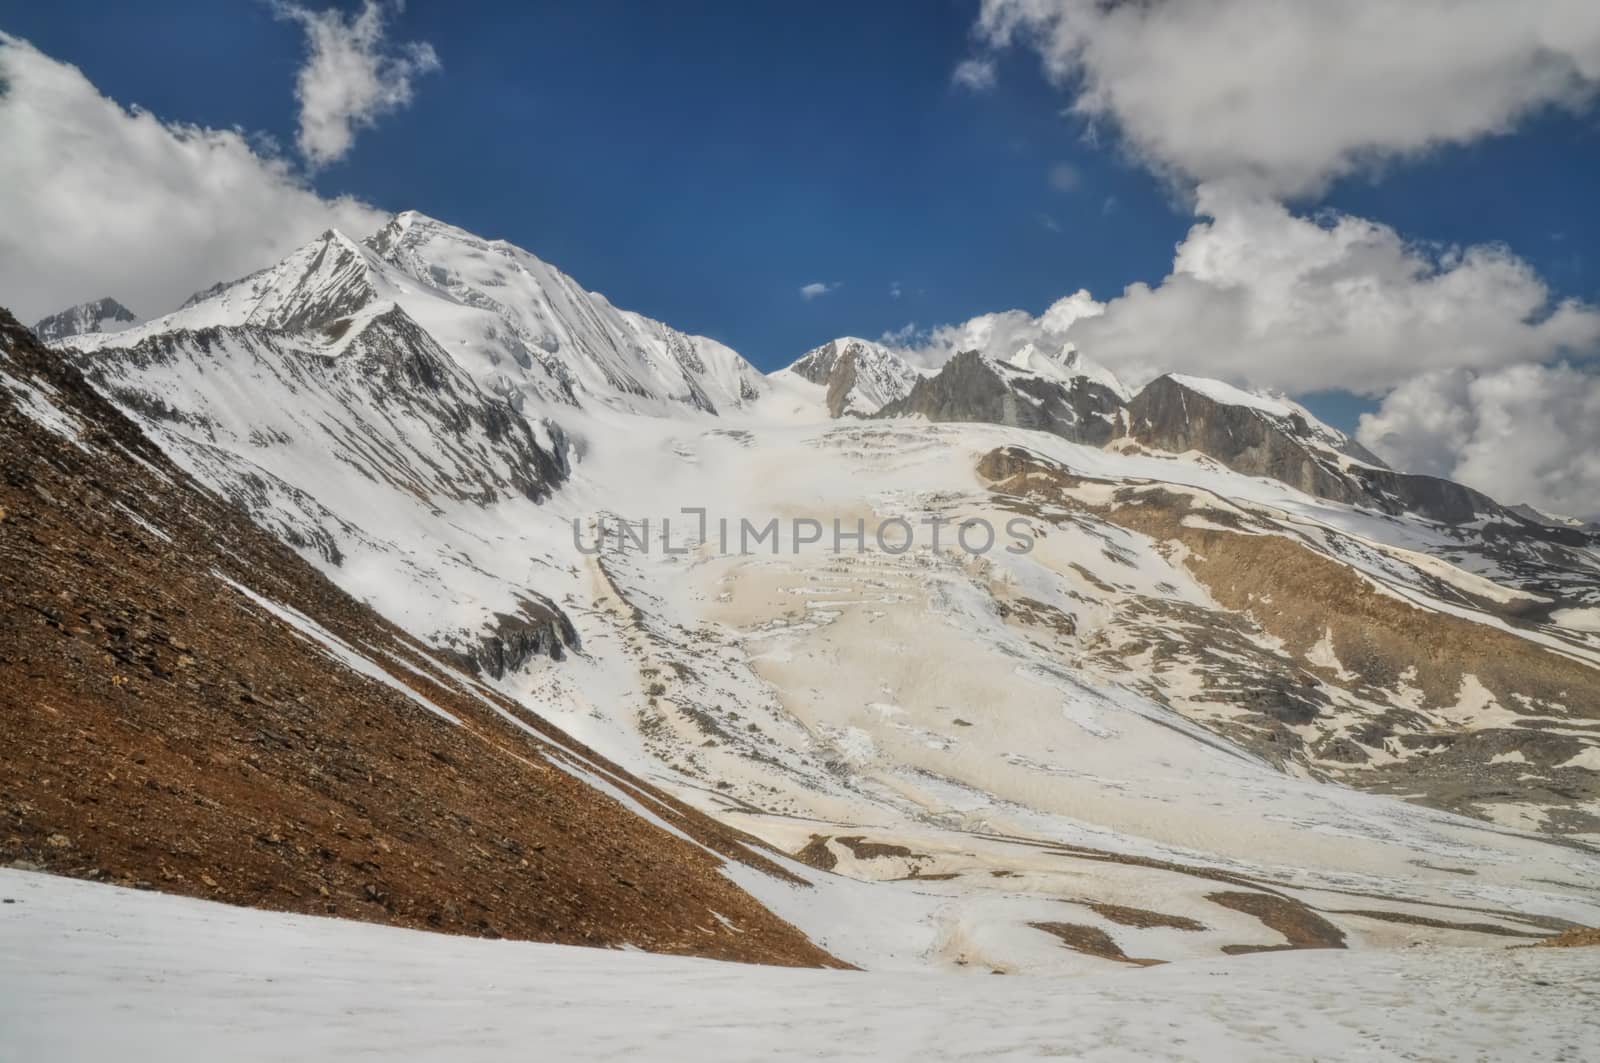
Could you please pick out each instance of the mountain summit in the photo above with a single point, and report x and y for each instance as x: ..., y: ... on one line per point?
x: 101, y: 315
x: 860, y: 377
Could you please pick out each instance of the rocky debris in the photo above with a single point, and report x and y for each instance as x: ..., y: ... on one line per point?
x: 1411, y: 919
x: 166, y: 730
x: 815, y: 853
x: 1576, y: 938
x: 1143, y: 918
x: 1301, y: 927
x: 1091, y: 941
x: 101, y: 315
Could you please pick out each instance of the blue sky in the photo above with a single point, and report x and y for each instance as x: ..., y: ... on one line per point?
x: 701, y: 162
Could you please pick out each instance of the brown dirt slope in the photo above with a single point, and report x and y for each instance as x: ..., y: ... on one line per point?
x: 162, y: 729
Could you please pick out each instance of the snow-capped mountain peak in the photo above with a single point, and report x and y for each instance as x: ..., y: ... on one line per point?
x: 519, y: 325
x: 1066, y: 364
x: 317, y: 284
x: 100, y: 315
x: 544, y: 323
x: 861, y: 377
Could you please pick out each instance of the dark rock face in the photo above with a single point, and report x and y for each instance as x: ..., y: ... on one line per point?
x: 971, y: 387
x: 82, y: 319
x: 817, y: 365
x: 538, y: 629
x: 1169, y: 416
x: 1556, y: 561
x: 840, y: 384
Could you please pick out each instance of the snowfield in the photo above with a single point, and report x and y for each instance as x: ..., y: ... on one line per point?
x: 97, y: 972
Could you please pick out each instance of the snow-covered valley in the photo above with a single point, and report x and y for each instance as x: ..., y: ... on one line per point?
x: 1173, y: 711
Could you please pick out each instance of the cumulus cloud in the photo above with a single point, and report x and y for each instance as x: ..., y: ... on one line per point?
x: 1247, y: 104
x: 1262, y: 296
x: 999, y: 334
x: 1288, y: 96
x: 976, y: 75
x: 815, y: 289
x: 1523, y: 433
x: 100, y: 200
x: 352, y: 75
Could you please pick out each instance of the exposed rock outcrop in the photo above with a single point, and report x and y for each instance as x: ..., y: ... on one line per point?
x: 971, y: 387
x: 538, y: 628
x: 1276, y: 440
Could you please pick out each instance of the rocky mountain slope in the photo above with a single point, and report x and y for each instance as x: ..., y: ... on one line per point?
x: 368, y: 401
x: 191, y: 707
x: 1252, y: 433
x: 860, y: 377
x: 1272, y: 436
x: 1261, y: 435
x: 1059, y: 392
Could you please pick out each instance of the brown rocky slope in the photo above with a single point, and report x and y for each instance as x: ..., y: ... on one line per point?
x: 189, y: 706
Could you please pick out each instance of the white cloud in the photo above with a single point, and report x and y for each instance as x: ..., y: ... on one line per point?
x: 999, y: 334
x: 894, y: 290
x: 977, y: 75
x: 1246, y: 103
x: 1524, y: 433
x: 103, y: 201
x: 352, y: 75
x: 901, y: 337
x: 817, y: 288
x: 1287, y: 96
x: 1261, y: 296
